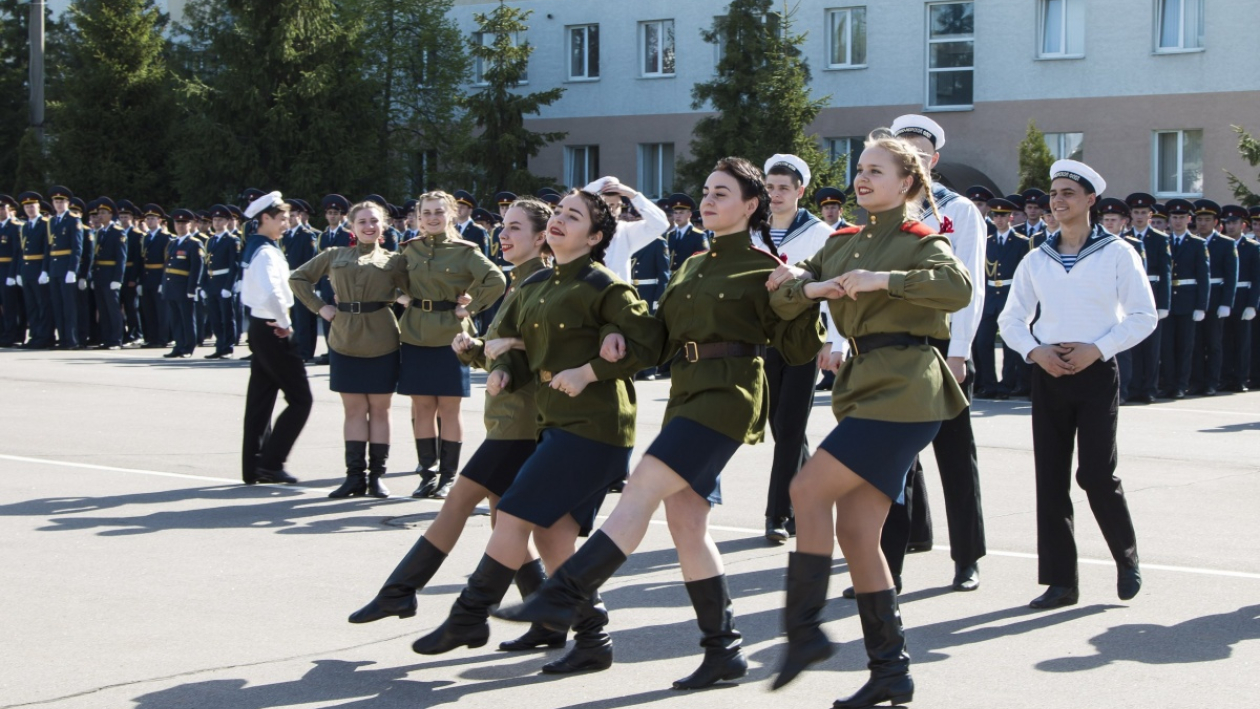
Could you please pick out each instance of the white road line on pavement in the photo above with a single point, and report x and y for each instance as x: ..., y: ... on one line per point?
x: 714, y: 527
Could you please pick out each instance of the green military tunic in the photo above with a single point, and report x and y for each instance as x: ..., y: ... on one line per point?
x: 721, y: 296
x: 562, y: 314
x: 365, y: 273
x: 440, y: 269
x: 899, y: 383
x: 510, y: 416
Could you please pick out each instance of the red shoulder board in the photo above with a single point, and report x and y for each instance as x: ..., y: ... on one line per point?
x: 919, y: 229
x: 847, y: 231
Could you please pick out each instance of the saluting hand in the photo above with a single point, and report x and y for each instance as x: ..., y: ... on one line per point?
x: 1051, y: 359
x: 862, y: 281
x: 497, y: 382
x: 782, y: 275
x: 573, y: 381
x: 328, y: 312
x: 614, y: 348
x: 1080, y: 355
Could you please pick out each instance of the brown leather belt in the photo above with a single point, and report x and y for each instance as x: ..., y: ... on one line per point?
x: 866, y: 343
x: 694, y: 352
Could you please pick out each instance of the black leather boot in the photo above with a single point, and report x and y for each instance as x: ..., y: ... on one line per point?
x: 448, y: 466
x: 426, y: 453
x: 849, y: 593
x: 806, y: 596
x: 1128, y: 579
x: 378, y: 453
x: 528, y: 579
x: 723, y: 660
x: 592, y: 647
x: 555, y: 604
x: 355, y: 484
x: 886, y: 647
x: 398, y: 596
x: 466, y: 624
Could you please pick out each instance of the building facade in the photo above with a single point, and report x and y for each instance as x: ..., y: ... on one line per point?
x: 1144, y: 90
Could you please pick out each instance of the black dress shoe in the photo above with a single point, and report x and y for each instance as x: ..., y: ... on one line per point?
x: 274, y: 477
x: 776, y: 530
x: 618, y: 487
x: 1179, y: 394
x: 171, y: 355
x: 1128, y: 583
x: 918, y: 547
x: 1209, y: 391
x: 1056, y: 597
x: 213, y: 355
x: 966, y: 577
x: 1148, y: 399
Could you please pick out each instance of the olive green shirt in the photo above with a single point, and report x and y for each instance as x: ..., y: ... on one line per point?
x: 898, y: 383
x: 365, y: 273
x: 510, y: 416
x: 721, y: 296
x: 562, y: 315
x: 439, y: 268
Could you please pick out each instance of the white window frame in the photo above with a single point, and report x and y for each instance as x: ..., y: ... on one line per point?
x: 1181, y: 163
x: 585, y: 29
x: 654, y: 186
x: 1068, y: 9
x: 1058, y: 144
x: 848, y: 25
x: 590, y: 164
x: 927, y: 103
x: 672, y: 49
x: 1183, y: 46
x: 850, y: 147
x: 478, y: 75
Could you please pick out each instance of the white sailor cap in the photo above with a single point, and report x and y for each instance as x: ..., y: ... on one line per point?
x: 601, y: 184
x: 914, y: 124
x: 262, y: 203
x: 796, y: 164
x: 1080, y: 173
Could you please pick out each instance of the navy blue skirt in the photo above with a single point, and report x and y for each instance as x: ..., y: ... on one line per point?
x: 433, y: 371
x: 697, y: 453
x: 362, y: 375
x: 496, y: 464
x: 567, y: 475
x: 880, y: 452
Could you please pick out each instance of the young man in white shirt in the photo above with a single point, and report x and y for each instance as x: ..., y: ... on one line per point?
x: 630, y: 236
x: 276, y: 365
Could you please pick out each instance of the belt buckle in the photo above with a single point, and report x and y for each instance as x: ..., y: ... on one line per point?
x: 544, y: 376
x: 691, y: 351
x: 853, y: 346
x: 356, y: 308
x: 426, y: 306
x: 999, y: 284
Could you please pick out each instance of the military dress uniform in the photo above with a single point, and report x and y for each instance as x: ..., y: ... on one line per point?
x: 85, y: 294
x: 33, y: 278
x: 1003, y: 254
x: 1205, y: 374
x: 299, y: 247
x: 1188, y: 304
x: 335, y: 235
x: 64, y: 258
x: 184, y: 260
x: 134, y: 275
x: 1236, y: 370
x: 469, y: 230
x: 650, y: 274
x: 109, y: 268
x: 222, y: 272
x: 1144, y: 386
x: 13, y: 332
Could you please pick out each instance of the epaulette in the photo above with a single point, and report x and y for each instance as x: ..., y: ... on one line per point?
x: 595, y: 277
x: 778, y: 260
x: 401, y: 244
x: 463, y: 242
x: 919, y: 229
x: 538, y: 276
x: 1017, y: 235
x: 846, y: 231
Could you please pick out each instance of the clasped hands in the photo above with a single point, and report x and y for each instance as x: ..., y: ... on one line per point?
x: 1065, y: 359
x: 847, y: 284
x: 570, y: 381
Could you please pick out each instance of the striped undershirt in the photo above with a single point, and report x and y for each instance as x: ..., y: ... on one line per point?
x: 1068, y: 261
x: 776, y: 235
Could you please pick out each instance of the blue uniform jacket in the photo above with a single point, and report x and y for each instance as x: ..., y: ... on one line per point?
x: 1223, y: 267
x: 64, y: 251
x: 110, y: 255
x: 300, y: 246
x: 477, y: 235
x: 1248, y: 294
x: 685, y: 245
x: 1190, y: 269
x: 1000, y: 262
x: 10, y: 249
x: 183, y: 268
x: 1158, y: 266
x: 153, y: 259
x: 34, y: 237
x: 134, y: 272
x: 650, y: 271
x: 222, y: 265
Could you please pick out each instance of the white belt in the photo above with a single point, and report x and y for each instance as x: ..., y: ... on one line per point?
x: 506, y: 269
x: 1185, y: 282
x: 999, y: 284
x: 221, y: 272
x: 1216, y: 281
x: 646, y: 281
x: 1153, y: 279
x: 1244, y: 284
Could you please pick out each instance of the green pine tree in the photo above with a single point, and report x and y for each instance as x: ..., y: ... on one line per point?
x: 503, y: 146
x: 274, y: 96
x: 760, y: 97
x: 109, y: 123
x: 22, y: 162
x: 1035, y: 160
x: 1249, y: 148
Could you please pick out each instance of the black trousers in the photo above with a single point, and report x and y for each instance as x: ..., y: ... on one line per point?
x: 305, y: 329
x: 1236, y: 369
x: 1145, y: 359
x: 1177, y: 351
x: 1077, y: 410
x: 14, y: 331
x: 154, y: 320
x: 65, y: 310
x: 982, y: 353
x: 109, y: 311
x: 955, y: 450
x: 131, y: 312
x: 89, y: 325
x: 1209, y: 348
x: 38, y: 301
x: 791, y: 400
x: 221, y: 313
x: 183, y: 325
x: 276, y: 366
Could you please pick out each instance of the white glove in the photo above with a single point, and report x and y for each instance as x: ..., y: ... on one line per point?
x: 192, y: 296
x: 10, y: 282
x: 1249, y: 313
x: 82, y: 283
x: 43, y: 278
x: 159, y: 290
x: 1222, y: 312
x: 19, y: 281
x: 1162, y: 314
x: 236, y: 287
x: 201, y: 293
x: 1199, y: 315
x: 225, y: 294
x: 139, y: 290
x: 70, y: 277
x: 115, y: 285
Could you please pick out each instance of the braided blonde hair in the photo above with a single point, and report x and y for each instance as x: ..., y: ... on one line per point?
x: 909, y: 161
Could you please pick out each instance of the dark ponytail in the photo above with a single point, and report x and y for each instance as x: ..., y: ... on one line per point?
x: 752, y: 185
x: 602, y: 222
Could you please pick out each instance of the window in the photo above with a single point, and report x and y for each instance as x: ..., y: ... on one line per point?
x: 1062, y: 29
x: 584, y: 52
x: 951, y: 54
x: 581, y: 164
x: 1178, y: 162
x: 487, y: 39
x: 656, y: 169
x: 1179, y: 25
x: 1066, y: 146
x: 846, y: 38
x: 656, y: 48
x: 847, y: 149
x: 428, y: 59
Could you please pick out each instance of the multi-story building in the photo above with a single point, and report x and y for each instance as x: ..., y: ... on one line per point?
x: 1144, y: 90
